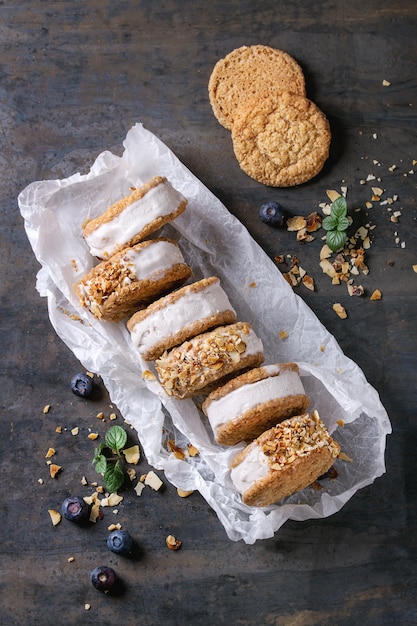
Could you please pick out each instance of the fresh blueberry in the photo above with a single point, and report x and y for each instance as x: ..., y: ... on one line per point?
x: 120, y: 542
x: 103, y: 578
x: 75, y: 509
x: 271, y: 213
x: 82, y: 385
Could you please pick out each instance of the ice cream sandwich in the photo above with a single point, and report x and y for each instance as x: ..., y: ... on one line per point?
x: 134, y: 217
x: 180, y: 315
x: 131, y: 278
x: 197, y: 365
x: 283, y: 460
x: 251, y: 403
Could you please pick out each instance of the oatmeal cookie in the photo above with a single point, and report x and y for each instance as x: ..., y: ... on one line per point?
x: 246, y: 71
x: 281, y: 139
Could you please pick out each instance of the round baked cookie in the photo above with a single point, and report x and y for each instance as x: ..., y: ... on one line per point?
x: 133, y: 218
x: 133, y: 277
x: 179, y: 316
x: 246, y: 71
x: 283, y: 460
x: 251, y: 403
x: 197, y: 365
x: 281, y: 139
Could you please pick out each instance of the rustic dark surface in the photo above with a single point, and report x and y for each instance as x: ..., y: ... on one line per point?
x: 74, y: 77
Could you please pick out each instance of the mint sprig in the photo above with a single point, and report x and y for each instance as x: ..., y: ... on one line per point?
x: 108, y: 458
x: 336, y: 224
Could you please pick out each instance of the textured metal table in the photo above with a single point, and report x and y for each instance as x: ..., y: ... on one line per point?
x: 75, y: 76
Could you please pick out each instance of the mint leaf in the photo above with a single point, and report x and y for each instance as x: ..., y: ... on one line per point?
x: 343, y: 223
x: 116, y: 438
x: 114, y: 477
x: 335, y: 239
x: 100, y: 464
x: 330, y: 222
x: 339, y: 208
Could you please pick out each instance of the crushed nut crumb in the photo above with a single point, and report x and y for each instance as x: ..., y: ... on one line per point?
x: 172, y: 543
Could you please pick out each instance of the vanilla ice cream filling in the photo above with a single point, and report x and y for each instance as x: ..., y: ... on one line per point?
x: 189, y: 308
x: 247, y: 397
x: 152, y: 260
x: 254, y: 466
x: 110, y: 236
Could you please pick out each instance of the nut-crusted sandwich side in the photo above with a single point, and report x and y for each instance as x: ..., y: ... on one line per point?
x: 196, y: 365
x: 283, y: 460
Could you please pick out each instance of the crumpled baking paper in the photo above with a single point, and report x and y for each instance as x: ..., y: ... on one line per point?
x: 213, y: 243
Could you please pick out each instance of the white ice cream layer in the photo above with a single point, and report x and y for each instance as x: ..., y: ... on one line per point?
x: 189, y: 308
x: 154, y: 259
x: 110, y: 236
x: 254, y: 467
x: 248, y: 396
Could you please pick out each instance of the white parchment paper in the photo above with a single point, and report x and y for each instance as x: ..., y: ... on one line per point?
x: 213, y: 243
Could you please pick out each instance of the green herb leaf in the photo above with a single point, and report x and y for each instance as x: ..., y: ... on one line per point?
x: 339, y: 208
x: 330, y: 222
x: 343, y: 223
x: 100, y: 463
x: 335, y: 239
x: 116, y: 438
x: 113, y: 477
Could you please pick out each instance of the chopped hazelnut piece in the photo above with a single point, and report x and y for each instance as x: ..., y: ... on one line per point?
x: 153, y: 481
x: 131, y: 473
x: 296, y: 223
x: 132, y: 454
x: 55, y: 516
x: 93, y: 436
x: 332, y: 194
x: 313, y: 222
x: 279, y: 259
x: 283, y: 334
x: 344, y: 457
x: 148, y: 375
x: 46, y: 408
x: 172, y: 543
x: 54, y: 470
x: 177, y: 451
x: 192, y: 450
x: 183, y: 493
x: 75, y: 431
x: 308, y: 282
x: 50, y: 453
x: 112, y: 500
x: 340, y: 310
x: 377, y: 295
x: 139, y: 488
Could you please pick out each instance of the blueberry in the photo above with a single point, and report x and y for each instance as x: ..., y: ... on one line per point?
x: 103, y: 578
x: 82, y: 385
x: 120, y: 542
x: 75, y: 509
x: 271, y: 213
